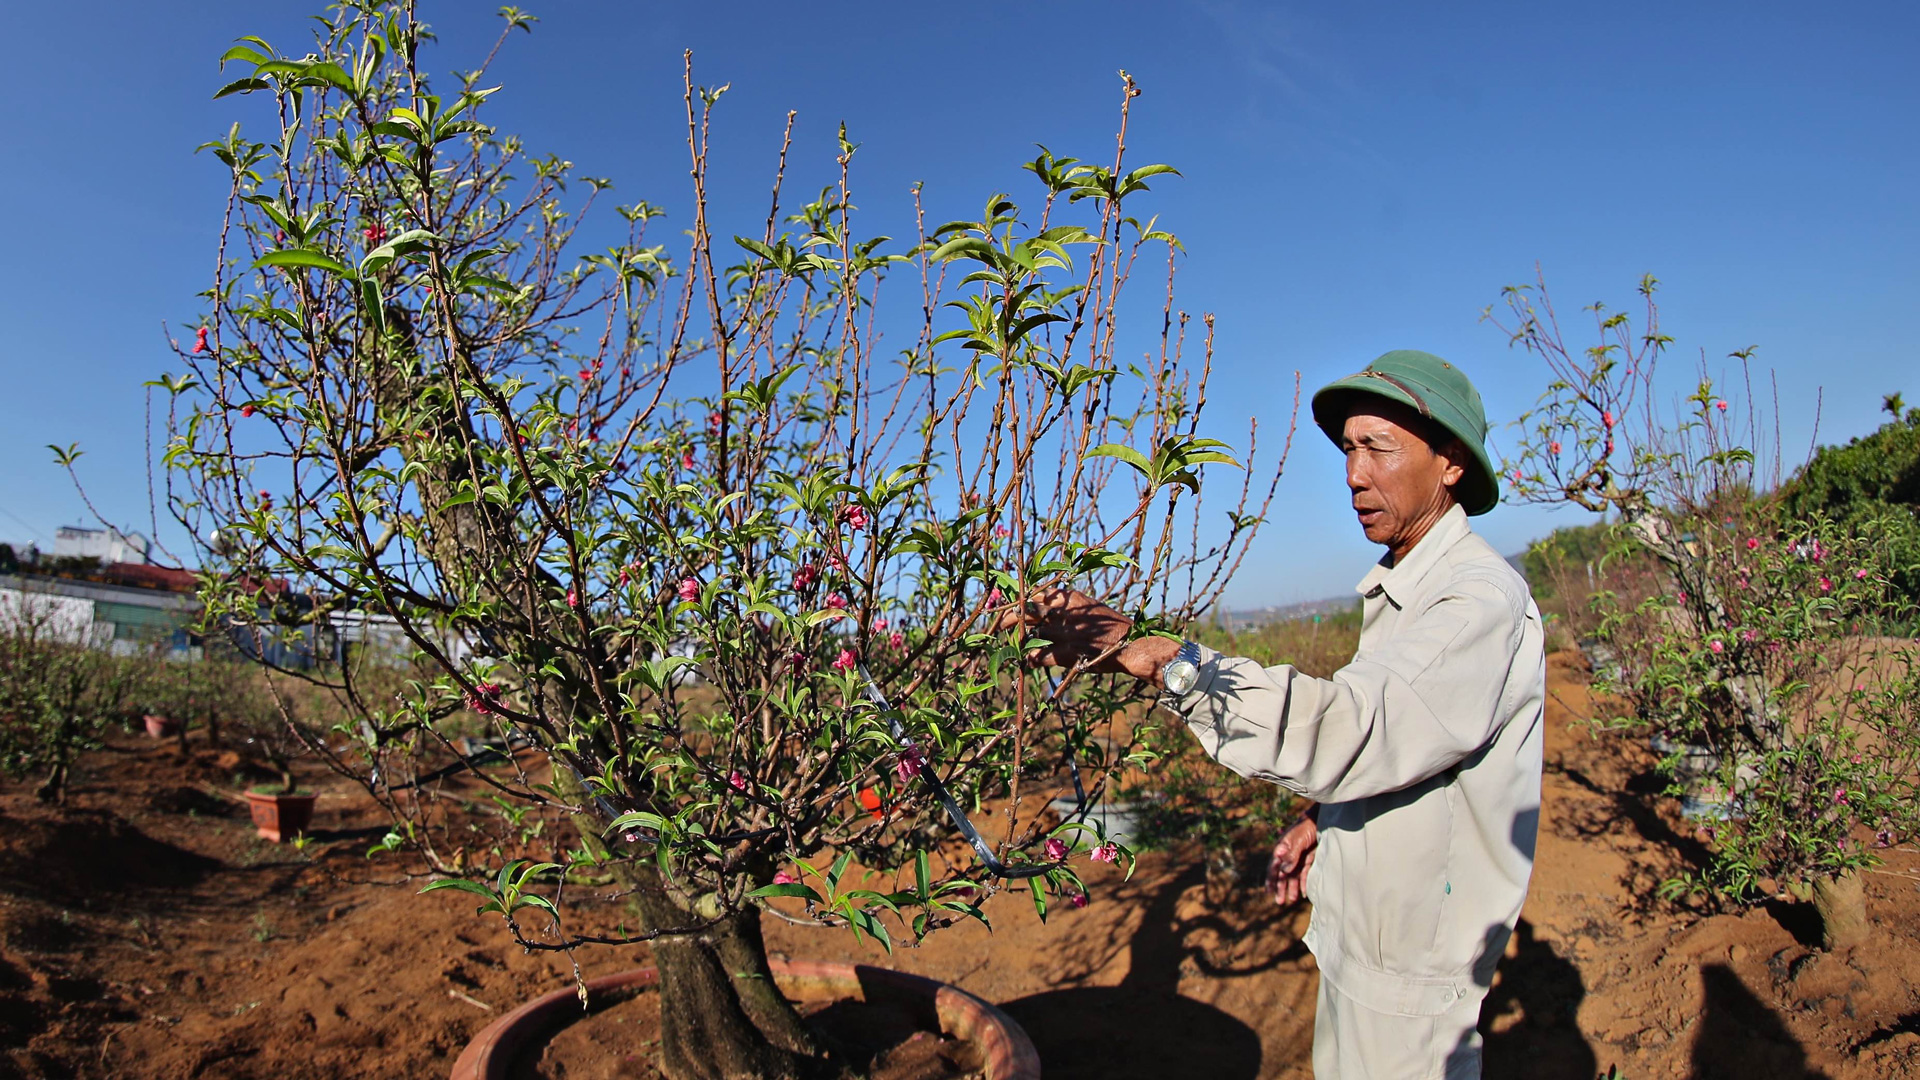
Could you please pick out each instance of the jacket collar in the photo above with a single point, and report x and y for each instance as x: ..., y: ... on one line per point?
x: 1398, y: 581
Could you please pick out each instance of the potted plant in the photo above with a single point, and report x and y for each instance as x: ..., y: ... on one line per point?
x: 555, y: 493
x: 280, y: 814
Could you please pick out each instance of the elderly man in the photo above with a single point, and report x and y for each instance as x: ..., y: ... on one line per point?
x: 1423, y: 753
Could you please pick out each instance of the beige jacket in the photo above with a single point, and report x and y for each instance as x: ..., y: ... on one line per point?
x: 1424, y: 754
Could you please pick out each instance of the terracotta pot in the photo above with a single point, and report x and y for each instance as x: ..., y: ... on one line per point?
x: 1008, y: 1053
x: 277, y: 817
x: 160, y: 727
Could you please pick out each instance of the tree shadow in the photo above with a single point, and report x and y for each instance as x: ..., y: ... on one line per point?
x: 1143, y: 1028
x: 1528, y: 1020
x: 1740, y: 1037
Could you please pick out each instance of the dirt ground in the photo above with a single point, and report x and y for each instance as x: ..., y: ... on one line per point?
x: 144, y: 932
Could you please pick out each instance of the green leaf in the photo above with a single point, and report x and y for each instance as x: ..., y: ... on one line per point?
x: 1125, y: 453
x: 297, y: 258
x: 461, y: 885
x: 788, y: 888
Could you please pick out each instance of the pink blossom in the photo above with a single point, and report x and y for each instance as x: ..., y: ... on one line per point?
x: 246, y: 410
x: 630, y: 837
x: 1856, y: 758
x: 374, y: 233
x: 1840, y: 798
x: 689, y: 589
x: 1748, y: 635
x: 836, y: 564
x: 1553, y: 447
x: 713, y: 423
x: 1106, y: 853
x: 1883, y: 838
x: 966, y: 894
x: 1055, y: 848
x: 879, y: 623
x: 1721, y: 405
x: 1860, y: 574
x: 1517, y: 477
x: 1002, y: 531
x: 1683, y: 597
x: 1819, y: 551
x: 910, y: 763
x: 805, y: 577
x: 799, y: 661
x: 896, y: 640
x: 854, y: 516
x: 1076, y: 899
x: 846, y: 660
x: 623, y: 575
x: 1825, y: 585
x: 1753, y: 542
x: 1606, y: 419
x: 1716, y: 646
x: 995, y: 598
x: 736, y: 780
x: 573, y: 598
x: 837, y: 602
x: 585, y: 375
x: 200, y: 340
x: 782, y: 877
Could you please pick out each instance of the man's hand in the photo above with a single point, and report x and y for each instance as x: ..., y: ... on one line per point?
x: 1292, y: 857
x: 1080, y: 628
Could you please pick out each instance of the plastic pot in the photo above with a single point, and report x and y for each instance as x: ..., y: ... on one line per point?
x: 277, y: 817
x: 1008, y: 1053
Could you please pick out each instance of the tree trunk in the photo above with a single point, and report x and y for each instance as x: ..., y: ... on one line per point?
x: 1842, y: 904
x: 721, y: 1016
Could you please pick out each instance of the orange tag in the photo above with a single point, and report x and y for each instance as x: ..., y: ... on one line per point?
x: 870, y: 802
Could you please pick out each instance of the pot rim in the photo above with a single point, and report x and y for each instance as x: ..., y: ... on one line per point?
x: 1009, y: 1053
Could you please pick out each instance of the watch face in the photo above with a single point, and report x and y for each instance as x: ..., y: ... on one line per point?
x: 1180, y: 676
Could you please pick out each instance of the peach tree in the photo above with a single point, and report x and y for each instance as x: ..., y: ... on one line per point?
x: 1772, y: 658
x: 711, y: 544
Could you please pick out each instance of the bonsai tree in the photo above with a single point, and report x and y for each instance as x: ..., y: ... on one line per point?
x: 1769, y: 652
x: 729, y: 548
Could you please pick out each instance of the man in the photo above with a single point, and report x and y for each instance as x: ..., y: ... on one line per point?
x: 1423, y: 753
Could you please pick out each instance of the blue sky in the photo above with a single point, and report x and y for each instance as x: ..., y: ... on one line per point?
x: 1356, y: 178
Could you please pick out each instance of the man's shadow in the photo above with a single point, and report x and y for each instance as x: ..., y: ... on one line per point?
x: 1528, y: 1020
x: 1143, y: 1028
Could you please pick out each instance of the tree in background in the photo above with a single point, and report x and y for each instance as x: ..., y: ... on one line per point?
x: 716, y: 537
x: 1759, y: 657
x: 1873, y: 478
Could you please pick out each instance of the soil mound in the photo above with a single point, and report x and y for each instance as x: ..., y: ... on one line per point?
x: 89, y: 858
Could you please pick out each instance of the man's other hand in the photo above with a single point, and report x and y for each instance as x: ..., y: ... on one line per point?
x: 1292, y: 857
x: 1080, y: 629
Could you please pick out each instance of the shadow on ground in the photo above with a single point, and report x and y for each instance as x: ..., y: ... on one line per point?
x: 1143, y: 1028
x: 1741, y: 1037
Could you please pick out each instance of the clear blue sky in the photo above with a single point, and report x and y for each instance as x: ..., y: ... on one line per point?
x: 1357, y: 178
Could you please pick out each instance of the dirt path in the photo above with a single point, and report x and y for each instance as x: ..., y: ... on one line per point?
x: 145, y: 933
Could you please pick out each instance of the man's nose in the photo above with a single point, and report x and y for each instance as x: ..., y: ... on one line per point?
x: 1356, y: 472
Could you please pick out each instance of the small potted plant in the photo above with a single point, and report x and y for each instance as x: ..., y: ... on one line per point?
x: 279, y: 814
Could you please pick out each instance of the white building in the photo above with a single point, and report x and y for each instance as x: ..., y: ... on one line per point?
x: 109, y: 545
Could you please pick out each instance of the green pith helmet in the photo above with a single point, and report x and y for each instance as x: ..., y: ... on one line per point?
x: 1436, y: 390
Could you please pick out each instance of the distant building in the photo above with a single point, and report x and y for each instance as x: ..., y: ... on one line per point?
x: 109, y: 545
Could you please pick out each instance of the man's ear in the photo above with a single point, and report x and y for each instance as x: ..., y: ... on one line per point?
x: 1454, y: 452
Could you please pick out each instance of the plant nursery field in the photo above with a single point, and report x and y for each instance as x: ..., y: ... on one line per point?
x: 146, y: 932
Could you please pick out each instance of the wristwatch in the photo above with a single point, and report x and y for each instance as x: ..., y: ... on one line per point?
x: 1183, y: 670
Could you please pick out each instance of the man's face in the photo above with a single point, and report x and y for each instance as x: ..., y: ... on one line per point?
x: 1401, y: 484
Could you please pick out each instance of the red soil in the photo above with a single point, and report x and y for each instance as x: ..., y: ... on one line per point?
x: 144, y: 932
